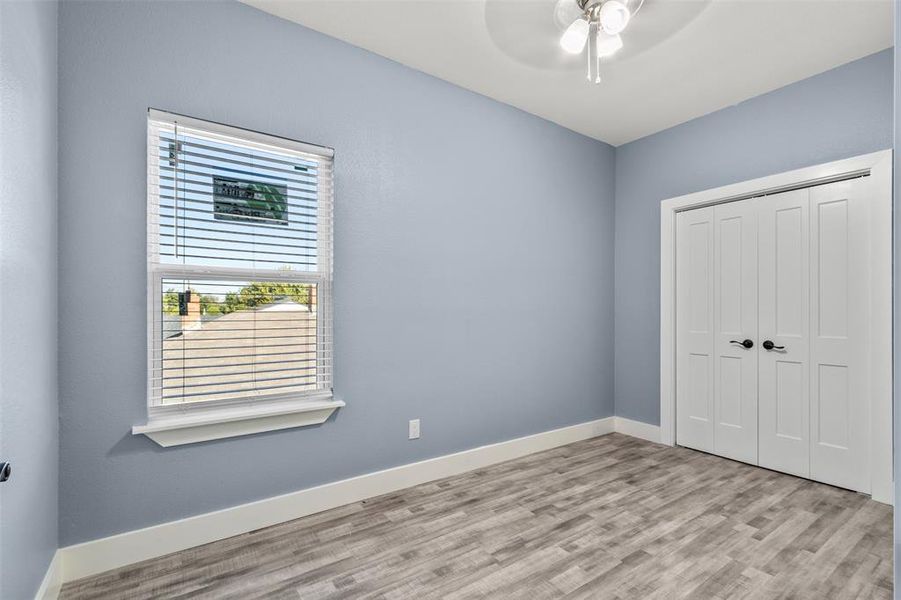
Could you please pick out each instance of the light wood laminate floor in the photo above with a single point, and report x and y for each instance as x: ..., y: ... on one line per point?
x: 609, y: 518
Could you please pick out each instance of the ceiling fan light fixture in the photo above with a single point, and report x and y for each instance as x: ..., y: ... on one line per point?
x: 574, y: 38
x: 608, y: 45
x: 613, y: 17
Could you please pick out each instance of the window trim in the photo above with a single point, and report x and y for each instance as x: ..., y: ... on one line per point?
x: 212, y: 423
x: 190, y: 422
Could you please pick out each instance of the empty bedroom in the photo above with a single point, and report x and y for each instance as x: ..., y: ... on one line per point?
x: 449, y: 299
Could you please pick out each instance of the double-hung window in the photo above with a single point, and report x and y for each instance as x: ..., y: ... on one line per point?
x: 239, y: 241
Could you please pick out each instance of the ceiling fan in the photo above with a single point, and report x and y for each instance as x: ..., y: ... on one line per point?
x: 607, y: 19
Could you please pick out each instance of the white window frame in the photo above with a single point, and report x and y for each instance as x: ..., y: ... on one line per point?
x: 190, y: 422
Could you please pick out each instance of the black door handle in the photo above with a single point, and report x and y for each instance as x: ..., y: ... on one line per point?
x: 747, y: 343
x: 768, y: 345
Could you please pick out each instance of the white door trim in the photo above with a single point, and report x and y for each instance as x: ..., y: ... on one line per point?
x: 877, y: 165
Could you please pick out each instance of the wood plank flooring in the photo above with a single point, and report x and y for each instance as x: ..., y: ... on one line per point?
x: 610, y: 518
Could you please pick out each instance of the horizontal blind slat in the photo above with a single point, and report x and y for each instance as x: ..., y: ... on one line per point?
x: 258, y: 225
x: 258, y: 346
x: 252, y: 242
x: 251, y: 251
x: 255, y: 388
x: 289, y: 157
x: 178, y: 211
x: 243, y: 260
x: 253, y: 381
x: 230, y: 364
x: 168, y: 200
x: 223, y: 161
x: 171, y: 376
x: 179, y: 177
x: 244, y: 233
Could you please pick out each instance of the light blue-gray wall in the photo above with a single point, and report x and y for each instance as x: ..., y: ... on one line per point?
x: 473, y: 253
x: 840, y: 113
x: 28, y: 294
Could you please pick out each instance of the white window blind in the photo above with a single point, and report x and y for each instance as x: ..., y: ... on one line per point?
x: 239, y: 265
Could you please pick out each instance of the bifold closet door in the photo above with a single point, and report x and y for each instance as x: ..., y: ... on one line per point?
x: 716, y: 320
x: 840, y: 328
x: 694, y: 329
x: 735, y: 330
x: 814, y: 310
x: 784, y: 308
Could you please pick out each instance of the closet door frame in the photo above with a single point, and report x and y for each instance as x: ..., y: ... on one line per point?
x: 878, y: 167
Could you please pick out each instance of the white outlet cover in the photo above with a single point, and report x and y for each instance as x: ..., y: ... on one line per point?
x: 414, y: 429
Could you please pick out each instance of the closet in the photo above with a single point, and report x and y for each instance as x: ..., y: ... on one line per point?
x: 772, y: 319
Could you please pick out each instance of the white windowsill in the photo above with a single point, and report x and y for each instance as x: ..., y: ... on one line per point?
x: 187, y: 428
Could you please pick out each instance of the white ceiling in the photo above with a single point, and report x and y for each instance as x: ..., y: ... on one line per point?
x: 683, y: 58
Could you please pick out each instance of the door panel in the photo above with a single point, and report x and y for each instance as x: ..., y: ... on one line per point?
x: 694, y: 329
x: 787, y: 256
x: 789, y: 386
x: 735, y: 319
x: 784, y: 319
x: 839, y: 282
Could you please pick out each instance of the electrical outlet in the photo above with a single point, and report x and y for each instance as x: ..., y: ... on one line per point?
x: 414, y: 429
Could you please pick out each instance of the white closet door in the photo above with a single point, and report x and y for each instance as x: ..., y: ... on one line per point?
x: 735, y: 321
x: 784, y: 299
x: 839, y: 325
x: 694, y: 329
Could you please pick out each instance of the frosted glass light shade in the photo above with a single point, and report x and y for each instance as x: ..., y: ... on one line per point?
x: 608, y: 44
x: 575, y: 36
x: 614, y: 16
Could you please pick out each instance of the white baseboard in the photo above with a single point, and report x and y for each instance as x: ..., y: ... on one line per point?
x: 637, y: 429
x: 97, y: 556
x: 53, y: 580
